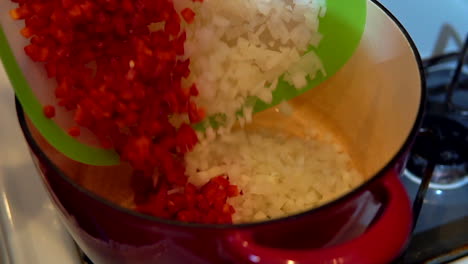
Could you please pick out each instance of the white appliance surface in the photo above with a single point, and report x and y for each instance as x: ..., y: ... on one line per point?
x: 30, y: 231
x: 435, y: 26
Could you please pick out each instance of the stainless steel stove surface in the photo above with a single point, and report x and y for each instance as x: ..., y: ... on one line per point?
x: 31, y: 233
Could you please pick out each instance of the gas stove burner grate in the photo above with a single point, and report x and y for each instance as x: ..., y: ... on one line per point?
x: 437, y: 78
x: 447, y: 84
x: 445, y: 145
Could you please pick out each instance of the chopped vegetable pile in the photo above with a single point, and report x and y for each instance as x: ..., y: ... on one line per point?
x: 139, y: 74
x: 123, y: 81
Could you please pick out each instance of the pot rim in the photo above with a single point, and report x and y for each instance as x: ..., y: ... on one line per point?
x: 405, y: 146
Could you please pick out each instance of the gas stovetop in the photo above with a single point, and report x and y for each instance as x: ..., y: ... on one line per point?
x: 30, y: 231
x: 436, y: 175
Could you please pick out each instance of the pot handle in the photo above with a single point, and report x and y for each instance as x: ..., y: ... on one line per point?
x: 381, y: 243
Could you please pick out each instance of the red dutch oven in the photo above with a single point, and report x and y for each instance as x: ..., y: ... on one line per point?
x: 375, y: 102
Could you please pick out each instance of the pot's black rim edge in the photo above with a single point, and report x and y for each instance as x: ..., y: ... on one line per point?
x: 36, y: 149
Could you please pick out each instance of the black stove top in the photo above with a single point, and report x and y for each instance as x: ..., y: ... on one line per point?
x: 436, y: 174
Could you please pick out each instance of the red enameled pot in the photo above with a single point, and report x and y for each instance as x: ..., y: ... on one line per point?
x: 375, y: 101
